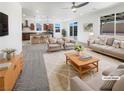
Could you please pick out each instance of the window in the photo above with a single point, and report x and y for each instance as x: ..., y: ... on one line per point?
x: 38, y: 23
x: 38, y: 27
x: 73, y: 29
x: 107, y: 25
x: 57, y: 27
x: 120, y: 23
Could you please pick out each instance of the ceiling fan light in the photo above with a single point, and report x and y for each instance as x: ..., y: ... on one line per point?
x: 73, y: 9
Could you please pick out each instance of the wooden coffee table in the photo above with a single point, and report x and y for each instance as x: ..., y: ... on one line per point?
x: 79, y: 65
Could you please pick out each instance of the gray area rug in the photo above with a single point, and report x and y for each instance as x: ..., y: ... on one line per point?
x: 34, y: 75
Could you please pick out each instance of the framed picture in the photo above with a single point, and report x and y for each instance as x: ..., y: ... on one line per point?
x: 57, y: 27
x: 88, y: 27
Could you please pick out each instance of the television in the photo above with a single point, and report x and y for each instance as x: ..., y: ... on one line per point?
x: 3, y: 24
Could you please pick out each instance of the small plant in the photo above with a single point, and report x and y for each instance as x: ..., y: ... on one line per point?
x: 8, y: 52
x: 78, y: 47
x: 63, y: 32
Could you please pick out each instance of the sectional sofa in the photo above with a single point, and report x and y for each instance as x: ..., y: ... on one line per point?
x: 97, y: 84
x: 109, y: 46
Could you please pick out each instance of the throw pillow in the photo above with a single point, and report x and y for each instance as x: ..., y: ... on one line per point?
x: 121, y: 66
x: 92, y: 41
x: 116, y: 44
x: 52, y: 40
x: 60, y: 41
x: 103, y: 40
x: 108, y: 84
x: 97, y: 41
x: 122, y: 44
x: 66, y: 39
x: 110, y: 41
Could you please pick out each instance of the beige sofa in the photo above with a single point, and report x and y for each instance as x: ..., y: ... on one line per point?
x: 97, y: 84
x: 109, y: 46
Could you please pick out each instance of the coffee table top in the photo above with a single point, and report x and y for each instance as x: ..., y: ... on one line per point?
x: 76, y: 59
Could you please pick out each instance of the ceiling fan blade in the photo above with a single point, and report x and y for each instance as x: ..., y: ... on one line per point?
x: 82, y: 4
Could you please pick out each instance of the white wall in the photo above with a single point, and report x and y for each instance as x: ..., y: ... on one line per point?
x: 57, y: 34
x: 14, y: 39
x: 83, y: 36
x: 94, y: 18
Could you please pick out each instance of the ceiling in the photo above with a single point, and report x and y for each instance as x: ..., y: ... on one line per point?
x: 60, y: 10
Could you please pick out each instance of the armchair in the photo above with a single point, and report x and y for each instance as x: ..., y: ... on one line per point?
x: 69, y: 43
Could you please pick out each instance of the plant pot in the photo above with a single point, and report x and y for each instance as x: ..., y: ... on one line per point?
x: 78, y: 53
x: 8, y: 57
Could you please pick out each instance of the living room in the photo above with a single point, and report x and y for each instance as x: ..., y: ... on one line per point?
x: 62, y: 46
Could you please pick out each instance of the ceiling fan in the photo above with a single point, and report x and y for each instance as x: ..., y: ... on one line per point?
x: 74, y: 6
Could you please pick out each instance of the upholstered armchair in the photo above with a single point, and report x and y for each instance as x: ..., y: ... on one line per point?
x: 54, y: 44
x: 69, y: 43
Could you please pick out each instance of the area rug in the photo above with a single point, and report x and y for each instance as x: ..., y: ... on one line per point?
x: 59, y: 73
x: 34, y: 75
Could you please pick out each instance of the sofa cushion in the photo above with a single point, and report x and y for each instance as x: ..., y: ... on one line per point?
x: 52, y: 40
x: 54, y: 45
x: 110, y: 41
x: 92, y: 41
x: 118, y: 52
x: 103, y: 40
x: 119, y: 84
x: 122, y: 44
x: 66, y: 39
x: 98, y: 47
x: 107, y: 71
x: 116, y: 43
x: 108, y: 84
x: 69, y: 44
x: 60, y: 41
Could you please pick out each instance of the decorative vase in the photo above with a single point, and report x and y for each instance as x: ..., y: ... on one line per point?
x: 8, y: 56
x: 78, y: 53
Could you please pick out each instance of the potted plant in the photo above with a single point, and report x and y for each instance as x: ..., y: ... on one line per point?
x: 63, y: 32
x: 8, y: 52
x: 78, y: 48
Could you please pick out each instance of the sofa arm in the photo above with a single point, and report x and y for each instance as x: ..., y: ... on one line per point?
x: 77, y: 84
x: 72, y: 41
x: 121, y: 66
x: 90, y: 42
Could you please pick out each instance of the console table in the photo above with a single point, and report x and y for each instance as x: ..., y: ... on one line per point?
x: 9, y: 76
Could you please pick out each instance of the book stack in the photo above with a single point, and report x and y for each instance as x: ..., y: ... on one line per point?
x: 85, y: 57
x: 5, y: 66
